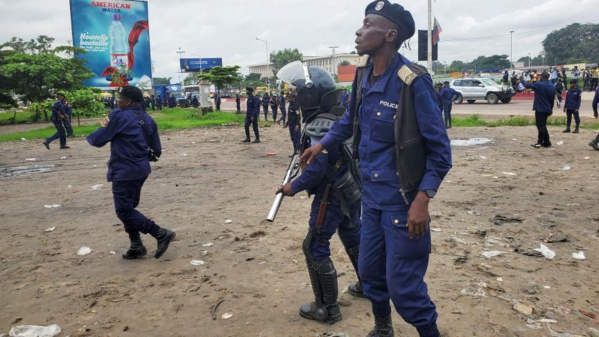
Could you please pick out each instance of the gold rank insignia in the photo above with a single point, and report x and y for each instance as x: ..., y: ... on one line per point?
x: 105, y: 122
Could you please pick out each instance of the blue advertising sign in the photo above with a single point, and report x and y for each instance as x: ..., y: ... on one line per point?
x: 116, y: 36
x: 195, y: 65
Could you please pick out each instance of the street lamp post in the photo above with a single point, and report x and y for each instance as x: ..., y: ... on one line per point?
x: 180, y: 52
x: 333, y: 59
x: 511, y: 49
x: 543, y: 57
x: 267, y: 61
x: 529, y: 60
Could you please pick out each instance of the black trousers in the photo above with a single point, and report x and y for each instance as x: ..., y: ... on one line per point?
x: 569, y: 113
x: 254, y: 126
x: 541, y: 121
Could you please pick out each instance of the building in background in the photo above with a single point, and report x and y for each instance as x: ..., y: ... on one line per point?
x: 330, y: 63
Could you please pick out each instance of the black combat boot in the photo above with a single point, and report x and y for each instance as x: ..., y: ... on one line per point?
x: 136, y: 250
x: 595, y: 143
x: 257, y: 140
x: 355, y: 289
x: 567, y: 129
x: 383, y: 327
x: 247, y: 140
x: 323, y: 278
x: 164, y: 238
x: 575, y: 129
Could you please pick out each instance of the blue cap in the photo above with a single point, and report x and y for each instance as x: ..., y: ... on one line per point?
x: 396, y: 14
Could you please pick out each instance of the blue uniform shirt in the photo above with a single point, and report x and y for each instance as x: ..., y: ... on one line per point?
x: 60, y: 108
x: 128, y: 146
x: 253, y: 106
x: 544, y: 95
x: 573, y: 99
x: 447, y: 95
x: 596, y: 100
x: 380, y: 183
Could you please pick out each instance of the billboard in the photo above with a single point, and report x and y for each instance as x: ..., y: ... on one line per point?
x: 116, y: 36
x: 196, y: 65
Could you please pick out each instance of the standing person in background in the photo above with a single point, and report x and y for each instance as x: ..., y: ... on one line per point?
x: 60, y: 119
x: 543, y: 108
x: 594, y: 78
x: 283, y: 109
x: 294, y: 123
x: 448, y: 95
x: 265, y: 103
x: 159, y: 102
x: 401, y: 168
x: 345, y: 99
x: 251, y: 115
x: 274, y: 106
x: 559, y: 88
x: 572, y: 105
x: 238, y: 103
x: 129, y: 167
x: 595, y: 142
x: 553, y: 76
x: 217, y: 101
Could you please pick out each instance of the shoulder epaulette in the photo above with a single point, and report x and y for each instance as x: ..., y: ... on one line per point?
x: 363, y: 61
x: 409, y: 73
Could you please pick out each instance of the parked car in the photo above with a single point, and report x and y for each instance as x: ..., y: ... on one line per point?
x: 472, y: 89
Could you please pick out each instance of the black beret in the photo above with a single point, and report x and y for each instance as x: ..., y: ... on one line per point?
x: 60, y: 94
x: 573, y: 80
x: 132, y: 93
x: 250, y: 89
x: 396, y: 14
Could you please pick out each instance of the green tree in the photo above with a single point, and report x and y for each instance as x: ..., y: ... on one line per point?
x: 344, y: 63
x: 282, y: 57
x: 573, y: 44
x: 6, y: 84
x: 221, y: 76
x: 253, y: 80
x: 38, y: 71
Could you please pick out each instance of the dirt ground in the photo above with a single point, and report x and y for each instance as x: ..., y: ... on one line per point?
x: 216, y: 192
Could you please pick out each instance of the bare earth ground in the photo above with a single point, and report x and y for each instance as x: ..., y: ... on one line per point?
x: 207, y: 177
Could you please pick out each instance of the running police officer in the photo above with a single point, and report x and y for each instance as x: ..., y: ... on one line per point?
x: 61, y: 112
x: 251, y: 115
x: 336, y: 204
x: 404, y: 155
x: 131, y: 134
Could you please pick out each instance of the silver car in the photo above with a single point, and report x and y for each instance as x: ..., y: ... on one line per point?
x: 480, y: 88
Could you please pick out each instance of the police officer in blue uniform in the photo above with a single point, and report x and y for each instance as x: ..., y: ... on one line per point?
x: 283, y: 108
x: 543, y: 107
x: 404, y: 154
x: 595, y: 142
x: 131, y: 133
x: 61, y: 118
x: 265, y: 102
x: 274, y: 106
x: 336, y: 203
x: 447, y: 95
x: 572, y: 105
x: 251, y: 115
x: 294, y: 123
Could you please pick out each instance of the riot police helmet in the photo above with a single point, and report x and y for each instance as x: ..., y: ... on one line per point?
x: 315, y: 87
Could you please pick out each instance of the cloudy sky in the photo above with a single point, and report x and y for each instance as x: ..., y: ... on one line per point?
x: 229, y: 28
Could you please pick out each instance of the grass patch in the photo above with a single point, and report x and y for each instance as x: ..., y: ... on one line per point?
x: 10, y: 117
x: 168, y: 119
x: 475, y: 120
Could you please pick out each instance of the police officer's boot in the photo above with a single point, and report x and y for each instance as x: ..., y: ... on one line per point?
x: 383, y: 327
x: 163, y: 238
x: 257, y: 140
x: 355, y: 289
x: 247, y: 140
x: 575, y: 129
x: 595, y: 143
x: 136, y: 250
x: 323, y: 277
x: 567, y: 129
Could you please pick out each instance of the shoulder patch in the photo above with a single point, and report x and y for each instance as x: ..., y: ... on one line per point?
x: 104, y: 122
x: 363, y: 61
x: 406, y: 74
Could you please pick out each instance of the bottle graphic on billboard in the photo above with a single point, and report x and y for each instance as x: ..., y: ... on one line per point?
x: 119, y: 49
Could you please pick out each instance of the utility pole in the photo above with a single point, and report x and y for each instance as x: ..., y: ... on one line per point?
x: 180, y: 52
x: 268, y: 76
x: 333, y: 60
x: 511, y: 49
x: 429, y: 37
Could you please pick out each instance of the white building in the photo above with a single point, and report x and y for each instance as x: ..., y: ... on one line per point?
x: 329, y: 63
